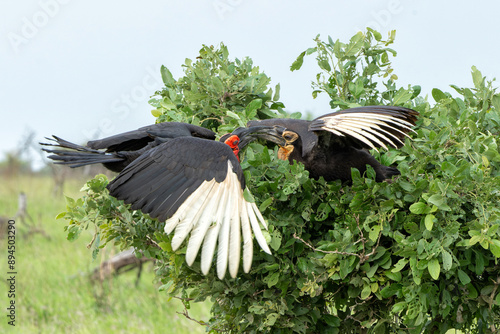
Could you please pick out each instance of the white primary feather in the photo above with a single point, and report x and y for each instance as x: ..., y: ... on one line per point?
x: 206, y: 217
x: 366, y: 117
x: 369, y: 125
x: 361, y: 131
x: 252, y: 208
x: 235, y: 228
x: 358, y: 136
x: 372, y: 128
x: 208, y: 249
x: 190, y: 214
x: 246, y: 230
x: 195, y: 199
x: 217, y: 213
x: 223, y: 242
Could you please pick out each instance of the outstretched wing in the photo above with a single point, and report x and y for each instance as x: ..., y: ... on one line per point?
x: 367, y: 127
x: 161, y: 132
x: 196, y: 186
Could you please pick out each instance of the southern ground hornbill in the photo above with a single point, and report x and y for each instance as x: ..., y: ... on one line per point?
x: 177, y: 173
x: 332, y: 144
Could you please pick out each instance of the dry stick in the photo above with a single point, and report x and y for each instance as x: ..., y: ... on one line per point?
x: 362, y: 257
x: 186, y: 313
x: 490, y: 302
x: 154, y: 243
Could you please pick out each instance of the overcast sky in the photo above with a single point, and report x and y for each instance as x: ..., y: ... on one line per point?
x: 74, y: 68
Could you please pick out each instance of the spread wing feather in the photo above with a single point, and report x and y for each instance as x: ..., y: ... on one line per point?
x: 368, y: 127
x: 196, y: 186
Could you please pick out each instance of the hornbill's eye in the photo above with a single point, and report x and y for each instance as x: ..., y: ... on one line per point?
x: 290, y: 136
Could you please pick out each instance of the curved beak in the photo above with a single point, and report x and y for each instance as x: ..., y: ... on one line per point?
x: 270, y: 133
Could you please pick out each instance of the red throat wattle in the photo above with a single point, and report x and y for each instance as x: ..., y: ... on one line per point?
x: 233, y: 142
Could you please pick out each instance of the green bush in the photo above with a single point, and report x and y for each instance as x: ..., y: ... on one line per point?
x: 419, y: 254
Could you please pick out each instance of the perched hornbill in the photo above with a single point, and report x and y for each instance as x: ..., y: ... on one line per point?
x: 330, y: 145
x: 177, y: 173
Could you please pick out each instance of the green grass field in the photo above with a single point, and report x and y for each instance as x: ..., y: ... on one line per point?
x: 53, y: 291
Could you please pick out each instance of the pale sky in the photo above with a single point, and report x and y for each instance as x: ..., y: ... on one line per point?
x: 74, y: 68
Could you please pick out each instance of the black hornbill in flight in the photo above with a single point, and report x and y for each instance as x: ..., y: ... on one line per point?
x: 178, y: 173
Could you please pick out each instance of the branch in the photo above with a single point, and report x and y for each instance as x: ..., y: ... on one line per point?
x: 152, y: 242
x: 186, y: 313
x: 362, y: 257
x: 323, y: 251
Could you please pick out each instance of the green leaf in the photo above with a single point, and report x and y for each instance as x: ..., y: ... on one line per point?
x: 272, y: 279
x: 374, y: 232
x: 434, y: 268
x: 399, y: 265
x: 247, y: 195
x: 156, y: 113
x: 323, y: 63
x: 355, y: 45
x: 297, y: 64
x: 390, y: 290
x: 253, y: 105
x: 276, y: 240
x: 166, y: 76
x: 401, y: 96
x: 376, y: 34
x: 276, y: 96
x: 366, y: 292
x: 266, y: 204
x: 477, y: 78
x: 331, y: 320
x: 236, y: 117
x: 495, y: 247
x: 439, y: 201
x: 305, y: 265
x: 429, y: 221
x: 217, y: 84
x: 398, y: 307
x: 447, y: 260
x: 419, y: 208
x: 438, y: 95
x: 393, y: 276
x: 271, y: 319
x: 496, y: 102
x: 463, y: 277
x: 61, y: 215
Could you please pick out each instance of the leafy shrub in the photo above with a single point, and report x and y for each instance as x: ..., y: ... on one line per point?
x: 416, y: 254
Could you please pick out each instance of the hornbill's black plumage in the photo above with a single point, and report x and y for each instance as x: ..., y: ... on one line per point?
x: 193, y: 184
x: 121, y: 149
x: 332, y: 144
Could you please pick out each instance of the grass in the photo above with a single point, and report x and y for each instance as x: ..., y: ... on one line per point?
x: 53, y: 291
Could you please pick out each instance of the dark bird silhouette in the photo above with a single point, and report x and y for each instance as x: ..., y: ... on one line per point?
x: 177, y: 173
x: 332, y: 144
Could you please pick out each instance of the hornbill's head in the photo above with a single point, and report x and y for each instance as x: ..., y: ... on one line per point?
x: 241, y: 137
x: 292, y: 142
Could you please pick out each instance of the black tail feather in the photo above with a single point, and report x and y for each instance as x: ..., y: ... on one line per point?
x: 76, y: 155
